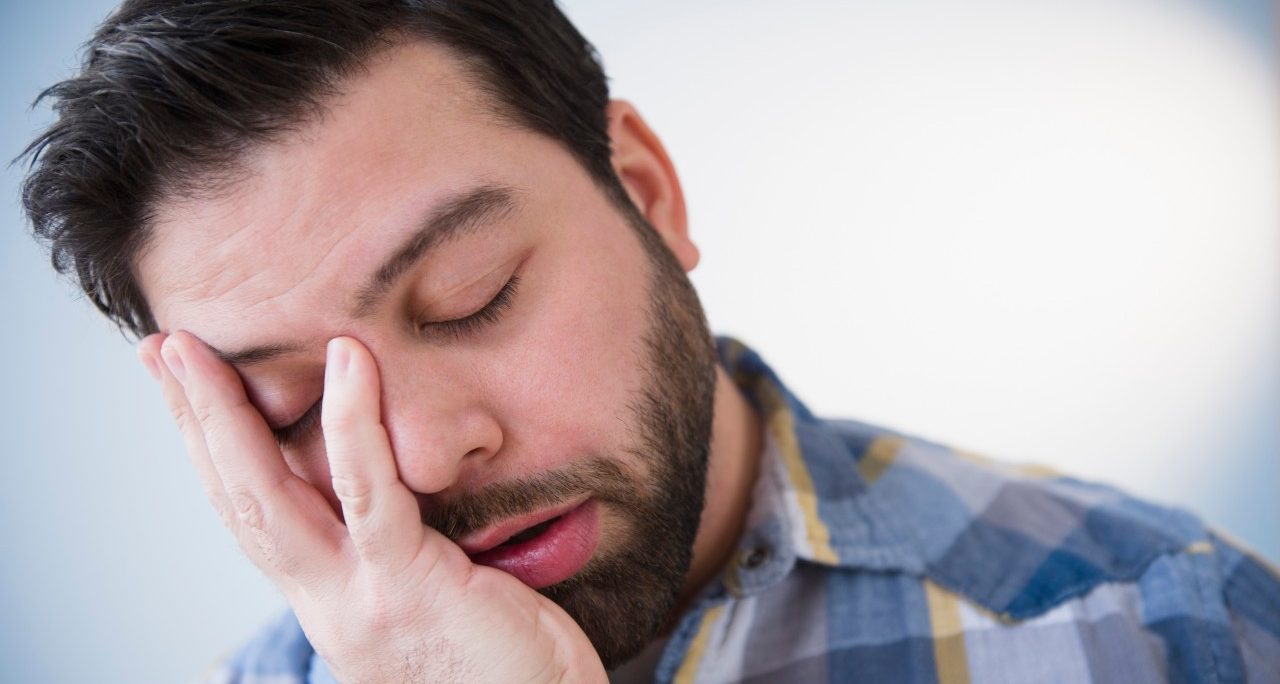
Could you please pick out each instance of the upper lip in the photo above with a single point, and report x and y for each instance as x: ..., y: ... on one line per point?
x: 479, y: 541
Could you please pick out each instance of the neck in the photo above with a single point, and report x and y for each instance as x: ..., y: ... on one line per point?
x: 731, y: 473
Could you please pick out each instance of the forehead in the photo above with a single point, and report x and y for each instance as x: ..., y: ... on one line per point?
x: 324, y: 203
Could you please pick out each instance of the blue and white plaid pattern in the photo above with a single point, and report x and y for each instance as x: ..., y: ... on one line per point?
x: 878, y: 557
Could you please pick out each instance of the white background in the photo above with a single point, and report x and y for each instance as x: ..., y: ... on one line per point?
x: 1047, y: 231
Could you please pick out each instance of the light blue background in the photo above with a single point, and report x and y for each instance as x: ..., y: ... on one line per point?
x: 115, y: 570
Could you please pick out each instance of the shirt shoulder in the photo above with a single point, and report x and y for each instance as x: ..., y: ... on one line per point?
x: 1250, y: 591
x: 1016, y: 552
x: 1015, y: 539
x: 916, y: 559
x: 919, y: 561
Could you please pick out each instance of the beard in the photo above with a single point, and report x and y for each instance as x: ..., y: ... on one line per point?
x: 624, y: 596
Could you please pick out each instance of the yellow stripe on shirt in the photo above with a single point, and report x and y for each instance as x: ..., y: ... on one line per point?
x: 948, y: 635
x: 693, y: 657
x: 782, y: 427
x: 878, y: 457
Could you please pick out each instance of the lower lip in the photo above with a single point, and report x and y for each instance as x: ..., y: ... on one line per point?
x: 553, y: 556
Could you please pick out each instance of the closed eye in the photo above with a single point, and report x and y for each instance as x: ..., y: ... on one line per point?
x: 490, y: 313
x: 294, y: 433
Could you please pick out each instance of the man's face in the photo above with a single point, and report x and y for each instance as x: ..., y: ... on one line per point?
x: 533, y: 348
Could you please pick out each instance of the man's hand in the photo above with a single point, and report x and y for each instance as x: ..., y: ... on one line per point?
x: 382, y: 598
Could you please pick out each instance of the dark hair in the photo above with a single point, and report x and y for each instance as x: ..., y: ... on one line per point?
x: 171, y: 93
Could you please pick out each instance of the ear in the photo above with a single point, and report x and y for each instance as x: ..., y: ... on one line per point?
x: 650, y: 179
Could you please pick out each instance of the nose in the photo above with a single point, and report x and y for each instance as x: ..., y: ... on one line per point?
x: 436, y: 417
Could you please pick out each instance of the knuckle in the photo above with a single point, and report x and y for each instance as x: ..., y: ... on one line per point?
x: 355, y: 494
x: 243, y: 517
x: 182, y: 416
x: 204, y: 414
x: 367, y: 543
x: 248, y: 509
x: 247, y: 519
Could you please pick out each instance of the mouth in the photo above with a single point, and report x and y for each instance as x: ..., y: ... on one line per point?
x: 539, y: 549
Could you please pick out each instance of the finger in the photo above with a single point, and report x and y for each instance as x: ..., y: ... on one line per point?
x: 296, y: 533
x: 381, y: 513
x: 192, y: 436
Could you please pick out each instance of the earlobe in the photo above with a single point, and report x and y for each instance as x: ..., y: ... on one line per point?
x: 650, y: 179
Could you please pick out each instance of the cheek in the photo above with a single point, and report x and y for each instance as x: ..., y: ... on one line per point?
x: 579, y: 363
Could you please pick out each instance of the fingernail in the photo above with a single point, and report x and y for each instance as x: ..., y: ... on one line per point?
x: 338, y: 358
x: 173, y: 360
x: 149, y: 362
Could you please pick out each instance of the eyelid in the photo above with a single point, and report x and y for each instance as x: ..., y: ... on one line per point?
x: 293, y: 433
x: 490, y: 313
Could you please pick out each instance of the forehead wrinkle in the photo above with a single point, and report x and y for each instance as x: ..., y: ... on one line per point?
x: 407, y: 69
x: 236, y: 280
x: 239, y: 292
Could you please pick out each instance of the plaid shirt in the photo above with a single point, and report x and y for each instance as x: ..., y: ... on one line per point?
x: 874, y: 556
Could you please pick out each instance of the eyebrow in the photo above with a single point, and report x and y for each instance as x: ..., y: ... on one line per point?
x: 462, y: 214
x: 252, y: 355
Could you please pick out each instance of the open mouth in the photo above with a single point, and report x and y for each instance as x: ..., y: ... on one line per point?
x: 540, y: 549
x: 515, y: 530
x: 529, y: 533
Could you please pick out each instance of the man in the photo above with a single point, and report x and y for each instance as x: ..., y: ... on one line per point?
x: 414, y: 290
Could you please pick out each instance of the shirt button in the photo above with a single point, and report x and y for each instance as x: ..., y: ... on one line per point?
x: 756, y: 558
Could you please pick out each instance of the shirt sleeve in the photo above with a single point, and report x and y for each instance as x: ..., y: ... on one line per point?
x: 1251, y: 592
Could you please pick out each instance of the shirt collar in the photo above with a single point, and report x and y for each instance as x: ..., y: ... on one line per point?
x: 809, y: 502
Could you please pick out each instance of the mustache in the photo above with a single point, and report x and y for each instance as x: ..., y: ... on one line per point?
x: 602, y: 479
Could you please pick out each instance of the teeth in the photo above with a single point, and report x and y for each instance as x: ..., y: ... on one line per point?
x: 529, y: 533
